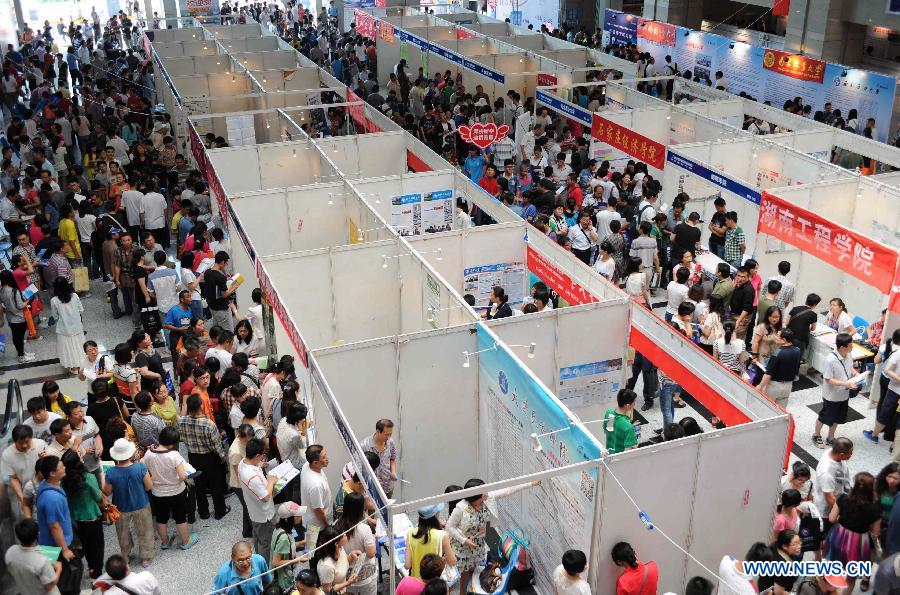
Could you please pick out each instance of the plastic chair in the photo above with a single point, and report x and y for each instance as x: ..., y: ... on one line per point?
x: 506, y: 571
x: 862, y: 327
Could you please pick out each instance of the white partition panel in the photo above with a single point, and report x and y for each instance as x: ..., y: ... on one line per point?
x: 368, y: 155
x: 366, y: 296
x: 238, y: 169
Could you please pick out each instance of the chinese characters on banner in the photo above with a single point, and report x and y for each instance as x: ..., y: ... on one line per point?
x: 483, y: 135
x: 463, y: 33
x: 365, y: 23
x: 855, y: 254
x: 556, y: 280
x: 628, y: 141
x: 357, y: 112
x: 546, y: 80
x: 386, y: 32
x: 662, y: 33
x: 798, y: 67
x: 197, y: 149
x: 286, y: 321
x: 215, y: 189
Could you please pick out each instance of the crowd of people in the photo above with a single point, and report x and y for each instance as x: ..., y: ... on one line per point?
x: 95, y: 189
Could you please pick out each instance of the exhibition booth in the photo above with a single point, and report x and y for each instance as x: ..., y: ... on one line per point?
x: 474, y: 399
x: 762, y: 73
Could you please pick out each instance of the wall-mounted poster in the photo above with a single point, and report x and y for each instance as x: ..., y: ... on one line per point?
x: 437, y: 211
x: 480, y: 281
x: 406, y: 214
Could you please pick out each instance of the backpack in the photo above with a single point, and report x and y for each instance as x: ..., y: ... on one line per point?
x: 636, y: 222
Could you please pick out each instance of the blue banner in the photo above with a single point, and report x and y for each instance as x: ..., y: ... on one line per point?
x: 622, y: 28
x: 564, y: 107
x: 717, y: 178
x: 484, y: 70
x: 445, y: 53
x: 416, y: 41
x: 514, y: 411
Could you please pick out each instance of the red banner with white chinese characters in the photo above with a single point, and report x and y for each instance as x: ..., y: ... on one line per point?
x: 386, y: 32
x: 357, y: 112
x: 556, y: 280
x: 628, y: 141
x: 464, y: 34
x: 366, y: 25
x: 216, y: 191
x: 663, y: 33
x: 798, y: 67
x: 855, y: 254
x: 197, y: 149
x: 546, y: 79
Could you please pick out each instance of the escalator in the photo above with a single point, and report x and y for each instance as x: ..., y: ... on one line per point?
x: 13, y: 413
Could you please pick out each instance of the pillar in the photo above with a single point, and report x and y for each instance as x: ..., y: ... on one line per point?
x: 816, y: 28
x: 687, y: 13
x: 600, y: 7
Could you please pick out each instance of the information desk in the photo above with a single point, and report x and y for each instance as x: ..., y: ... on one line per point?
x: 821, y: 343
x: 710, y: 263
x: 402, y: 525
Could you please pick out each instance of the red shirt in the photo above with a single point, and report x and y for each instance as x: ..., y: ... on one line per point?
x: 630, y: 581
x: 491, y: 185
x: 576, y: 193
x: 21, y: 278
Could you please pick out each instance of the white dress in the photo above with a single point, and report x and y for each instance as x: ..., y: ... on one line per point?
x: 69, y: 331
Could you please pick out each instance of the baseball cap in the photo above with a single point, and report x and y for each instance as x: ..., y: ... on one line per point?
x: 695, y: 216
x: 427, y: 512
x: 289, y: 509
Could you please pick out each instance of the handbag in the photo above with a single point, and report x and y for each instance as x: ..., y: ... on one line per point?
x: 853, y: 391
x: 70, y: 577
x: 80, y: 280
x: 810, y: 533
x: 110, y: 513
x: 490, y: 577
x: 450, y: 574
x: 513, y: 541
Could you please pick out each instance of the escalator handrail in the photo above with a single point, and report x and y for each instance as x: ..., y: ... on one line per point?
x: 12, y: 389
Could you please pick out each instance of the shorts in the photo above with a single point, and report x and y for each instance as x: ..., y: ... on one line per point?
x: 174, y: 506
x: 834, y: 412
x: 887, y: 413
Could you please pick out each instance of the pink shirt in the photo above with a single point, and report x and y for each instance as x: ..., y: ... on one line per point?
x: 410, y: 586
x: 783, y: 521
x: 756, y: 282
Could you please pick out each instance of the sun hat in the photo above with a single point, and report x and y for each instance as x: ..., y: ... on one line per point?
x: 427, y: 512
x: 122, y: 450
x: 289, y: 509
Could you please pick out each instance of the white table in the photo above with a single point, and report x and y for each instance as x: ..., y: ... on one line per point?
x: 402, y: 525
x: 821, y: 343
x: 710, y: 263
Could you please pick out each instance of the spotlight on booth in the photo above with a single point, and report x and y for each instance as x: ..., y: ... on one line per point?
x: 431, y: 311
x: 536, y: 438
x: 384, y: 262
x: 330, y: 198
x: 467, y: 355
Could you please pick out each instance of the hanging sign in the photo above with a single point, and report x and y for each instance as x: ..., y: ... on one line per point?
x: 483, y: 70
x: 483, y: 135
x: 628, y: 141
x: 366, y: 24
x: 556, y: 280
x: 386, y: 32
x: 662, y: 33
x: 855, y: 254
x: 546, y: 80
x: 798, y: 67
x: 464, y: 33
x: 717, y: 178
x: 571, y: 110
x: 445, y: 53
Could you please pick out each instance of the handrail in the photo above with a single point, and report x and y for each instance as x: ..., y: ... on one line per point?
x: 12, y: 385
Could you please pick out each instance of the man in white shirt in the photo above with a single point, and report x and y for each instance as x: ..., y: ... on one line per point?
x: 720, y: 81
x: 609, y: 189
x: 832, y: 479
x: 153, y: 213
x: 31, y: 570
x: 314, y: 489
x: 561, y: 170
x: 119, y: 146
x: 785, y: 296
x: 567, y: 577
x: 222, y: 351
x: 647, y: 206
x: 17, y: 466
x: 837, y: 373
x: 132, y: 200
x: 40, y: 419
x: 122, y: 581
x: 605, y: 217
x: 526, y: 143
x: 258, y: 491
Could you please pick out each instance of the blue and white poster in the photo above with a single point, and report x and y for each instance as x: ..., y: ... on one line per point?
x: 621, y: 27
x: 406, y: 214
x: 529, y: 12
x: 437, y: 211
x: 513, y: 406
x: 593, y: 384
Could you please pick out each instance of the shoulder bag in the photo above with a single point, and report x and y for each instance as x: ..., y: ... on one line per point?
x: 450, y: 574
x: 853, y: 391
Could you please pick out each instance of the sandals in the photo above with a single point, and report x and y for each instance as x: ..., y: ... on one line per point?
x: 817, y: 440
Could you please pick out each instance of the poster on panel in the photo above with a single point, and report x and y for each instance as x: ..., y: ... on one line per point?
x: 480, y: 282
x: 513, y: 406
x: 621, y: 27
x: 594, y: 384
x: 437, y: 211
x: 406, y: 214
x: 198, y: 8
x: 526, y: 12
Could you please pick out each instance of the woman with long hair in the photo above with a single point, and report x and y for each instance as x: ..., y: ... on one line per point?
x: 360, y: 541
x: 636, y: 281
x: 765, y: 335
x: 54, y: 399
x: 66, y: 308
x: 331, y: 563
x: 711, y: 325
x: 13, y: 303
x: 245, y: 342
x: 427, y: 538
x: 84, y: 495
x: 856, y: 517
x: 730, y: 350
x: 467, y: 527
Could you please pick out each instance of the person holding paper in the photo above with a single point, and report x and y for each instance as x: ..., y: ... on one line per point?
x: 258, y: 491
x: 217, y: 292
x: 17, y: 467
x: 31, y: 570
x: 838, y: 376
x: 781, y: 369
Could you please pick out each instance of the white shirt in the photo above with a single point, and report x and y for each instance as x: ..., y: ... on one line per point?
x: 163, y: 468
x: 133, y: 200
x: 609, y: 189
x: 85, y: 226
x: 224, y: 358
x: 254, y: 485
x: 271, y: 389
x: 121, y: 149
x: 42, y: 431
x: 676, y: 293
x: 139, y: 583
x: 647, y: 211
x: 153, y: 206
x: 604, y: 218
x: 733, y: 582
x: 315, y: 493
x: 832, y: 477
x: 565, y: 585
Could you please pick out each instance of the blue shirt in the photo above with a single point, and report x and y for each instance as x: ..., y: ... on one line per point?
x: 185, y: 225
x: 227, y: 575
x: 337, y: 68
x: 128, y: 487
x: 72, y: 61
x: 52, y: 507
x: 529, y: 213
x: 473, y: 167
x: 178, y: 317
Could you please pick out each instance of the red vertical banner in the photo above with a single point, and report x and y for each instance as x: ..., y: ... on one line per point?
x: 281, y: 312
x: 198, y: 151
x: 556, y: 280
x: 386, y: 31
x: 781, y: 8
x: 628, y: 141
x: 855, y: 254
x: 894, y: 302
x: 357, y: 112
